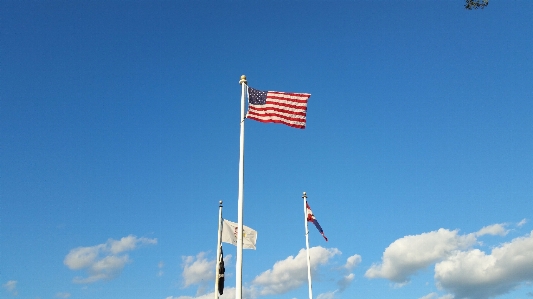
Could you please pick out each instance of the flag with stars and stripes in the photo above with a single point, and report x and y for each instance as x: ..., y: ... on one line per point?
x: 278, y: 107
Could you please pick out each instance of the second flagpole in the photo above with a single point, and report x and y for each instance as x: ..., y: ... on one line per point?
x: 238, y: 282
x: 219, y: 246
x: 304, y: 196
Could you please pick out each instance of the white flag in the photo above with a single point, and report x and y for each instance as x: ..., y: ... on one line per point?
x: 229, y: 234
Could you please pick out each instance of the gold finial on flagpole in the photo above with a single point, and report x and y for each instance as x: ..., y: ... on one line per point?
x: 243, y: 80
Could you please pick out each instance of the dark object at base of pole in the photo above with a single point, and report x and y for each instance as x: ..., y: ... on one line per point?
x: 221, y: 271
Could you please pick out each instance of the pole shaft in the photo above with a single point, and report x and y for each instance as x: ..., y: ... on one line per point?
x: 238, y: 282
x: 217, y: 268
x: 307, y: 246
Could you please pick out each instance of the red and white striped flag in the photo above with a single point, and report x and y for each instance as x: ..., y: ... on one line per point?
x: 278, y: 107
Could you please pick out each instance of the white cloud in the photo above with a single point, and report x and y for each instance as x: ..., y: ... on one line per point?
x: 200, y: 271
x: 291, y: 273
x: 83, y: 257
x: 103, y: 261
x: 205, y: 296
x: 160, y: 265
x: 227, y: 259
x: 345, y: 282
x: 285, y: 275
x: 436, y: 296
x: 329, y: 295
x: 476, y: 275
x: 522, y: 222
x: 11, y: 286
x: 107, y: 267
x: 429, y: 296
x: 407, y: 255
x: 128, y: 243
x: 197, y: 270
x: 62, y: 295
x: 352, y: 262
x: 229, y: 293
x: 495, y: 229
x: 461, y: 270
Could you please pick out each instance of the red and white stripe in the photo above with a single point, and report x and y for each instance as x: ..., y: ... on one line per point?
x: 281, y: 107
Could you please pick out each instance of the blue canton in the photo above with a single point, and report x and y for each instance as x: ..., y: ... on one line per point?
x: 256, y: 97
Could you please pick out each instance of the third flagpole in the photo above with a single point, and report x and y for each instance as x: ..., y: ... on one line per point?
x: 238, y: 282
x: 304, y: 196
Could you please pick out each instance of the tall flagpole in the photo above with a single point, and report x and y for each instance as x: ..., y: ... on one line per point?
x: 238, y: 286
x: 219, y: 243
x: 304, y: 196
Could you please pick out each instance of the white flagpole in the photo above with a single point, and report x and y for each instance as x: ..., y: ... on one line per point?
x: 217, y: 268
x: 238, y: 286
x: 304, y: 196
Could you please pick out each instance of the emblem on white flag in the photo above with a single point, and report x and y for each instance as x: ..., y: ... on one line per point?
x: 229, y: 234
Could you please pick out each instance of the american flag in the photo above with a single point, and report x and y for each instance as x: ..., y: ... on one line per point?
x: 277, y: 107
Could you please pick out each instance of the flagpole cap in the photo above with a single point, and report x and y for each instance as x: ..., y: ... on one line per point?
x: 220, y: 202
x: 243, y: 80
x: 304, y: 195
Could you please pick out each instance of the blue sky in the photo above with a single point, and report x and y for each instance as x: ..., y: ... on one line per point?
x: 119, y: 127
